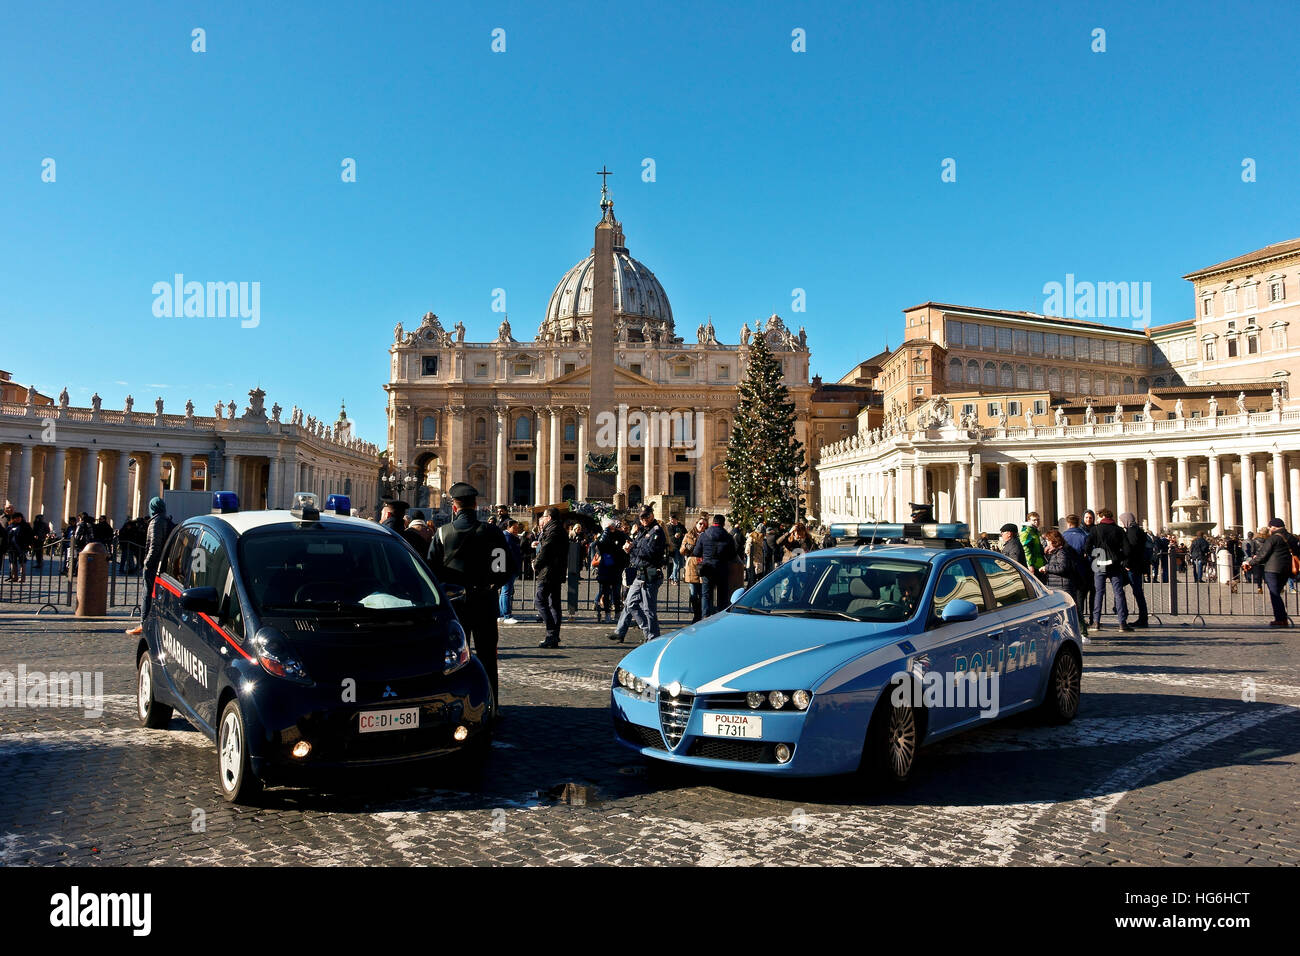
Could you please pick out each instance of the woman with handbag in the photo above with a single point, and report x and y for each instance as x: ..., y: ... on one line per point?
x: 692, y: 570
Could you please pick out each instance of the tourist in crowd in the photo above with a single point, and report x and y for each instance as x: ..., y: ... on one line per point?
x: 675, y: 531
x: 691, y: 570
x: 551, y: 561
x: 717, y: 552
x: 1077, y: 539
x: 610, y: 559
x: 798, y: 541
x: 1198, y: 551
x: 19, y: 534
x: 1273, y: 559
x: 421, y: 531
x: 1108, y: 546
x: 772, y: 551
x: 40, y: 532
x: 577, y: 558
x: 505, y: 603
x: 527, y: 547
x: 160, y: 526
x: 1254, y: 568
x: 1031, y: 542
x: 1136, y: 563
x: 1064, y: 569
x: 753, y: 557
x: 1011, y: 546
x: 1160, y: 558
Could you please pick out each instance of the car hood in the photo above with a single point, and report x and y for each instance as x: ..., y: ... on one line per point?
x: 741, y: 652
x: 393, y: 651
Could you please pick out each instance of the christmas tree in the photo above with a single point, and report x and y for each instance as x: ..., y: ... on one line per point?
x: 764, y: 459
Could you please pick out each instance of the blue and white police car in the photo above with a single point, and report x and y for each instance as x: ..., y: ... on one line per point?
x: 851, y: 658
x: 301, y: 642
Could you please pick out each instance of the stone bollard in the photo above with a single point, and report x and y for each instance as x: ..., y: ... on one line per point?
x: 92, y: 581
x: 1224, y: 560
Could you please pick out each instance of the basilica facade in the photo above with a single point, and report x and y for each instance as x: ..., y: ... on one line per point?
x: 604, y: 399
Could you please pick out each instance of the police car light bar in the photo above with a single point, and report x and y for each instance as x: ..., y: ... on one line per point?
x: 224, y: 502
x: 339, y: 504
x: 932, y: 534
x: 304, y: 506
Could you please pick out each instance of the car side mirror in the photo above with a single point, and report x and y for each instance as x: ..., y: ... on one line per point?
x: 735, y: 595
x: 200, y: 600
x: 959, y: 611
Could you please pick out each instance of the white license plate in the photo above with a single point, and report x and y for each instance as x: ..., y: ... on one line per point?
x: 733, y: 725
x: 374, y: 721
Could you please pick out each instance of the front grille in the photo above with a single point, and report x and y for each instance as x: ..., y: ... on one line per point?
x: 641, y: 736
x: 674, y: 714
x: 303, y: 624
x: 743, y: 751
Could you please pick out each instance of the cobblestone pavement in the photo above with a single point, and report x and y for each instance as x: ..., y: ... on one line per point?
x: 1166, y: 764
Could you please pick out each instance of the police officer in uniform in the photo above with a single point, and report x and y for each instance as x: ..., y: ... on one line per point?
x: 394, y: 518
x: 474, y: 555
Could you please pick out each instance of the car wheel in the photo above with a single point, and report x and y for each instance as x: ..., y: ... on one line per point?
x: 893, y: 739
x: 234, y: 772
x: 148, y: 711
x: 1061, y: 702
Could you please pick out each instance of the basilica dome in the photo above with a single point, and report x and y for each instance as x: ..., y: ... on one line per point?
x: 638, y: 299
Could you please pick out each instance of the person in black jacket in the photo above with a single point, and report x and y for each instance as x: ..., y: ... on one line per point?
x: 1136, y: 564
x: 1108, y: 552
x: 717, y: 552
x: 1011, y: 546
x: 1274, y: 559
x: 549, y: 565
x: 612, y: 558
x: 646, y: 557
x: 160, y: 526
x: 20, y: 542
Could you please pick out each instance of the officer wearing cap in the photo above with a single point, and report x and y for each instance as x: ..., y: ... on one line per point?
x: 394, y: 518
x: 474, y: 555
x: 646, y: 556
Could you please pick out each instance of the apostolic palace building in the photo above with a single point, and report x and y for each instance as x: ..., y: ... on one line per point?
x: 1067, y: 414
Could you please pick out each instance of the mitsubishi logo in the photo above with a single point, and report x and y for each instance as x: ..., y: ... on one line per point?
x: 389, y: 692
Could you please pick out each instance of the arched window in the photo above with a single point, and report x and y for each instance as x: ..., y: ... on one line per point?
x: 972, y: 372
x: 1054, y: 379
x: 1040, y: 380
x: 1006, y: 377
x: 429, y: 428
x: 1160, y: 382
x: 1022, y: 376
x: 633, y: 496
x: 480, y: 429
x: 1085, y: 383
x: 523, y: 428
x: 569, y: 493
x: 1112, y: 387
x: 1143, y: 385
x: 954, y: 370
x: 1067, y: 382
x: 990, y: 374
x: 724, y: 431
x: 1128, y: 384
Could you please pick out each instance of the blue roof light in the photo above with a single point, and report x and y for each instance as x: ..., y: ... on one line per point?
x: 224, y: 502
x: 339, y: 504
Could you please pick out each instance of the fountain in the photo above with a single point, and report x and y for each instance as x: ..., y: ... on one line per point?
x: 1188, y: 511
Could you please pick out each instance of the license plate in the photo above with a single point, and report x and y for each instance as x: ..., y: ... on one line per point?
x: 374, y: 721
x: 733, y: 725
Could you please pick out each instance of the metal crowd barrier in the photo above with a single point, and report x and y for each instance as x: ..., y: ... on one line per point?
x: 38, y: 577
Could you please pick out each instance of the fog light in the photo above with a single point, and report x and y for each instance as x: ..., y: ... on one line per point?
x: 460, y: 733
x: 754, y: 699
x: 801, y: 699
x: 782, y: 753
x: 301, y: 749
x: 777, y: 699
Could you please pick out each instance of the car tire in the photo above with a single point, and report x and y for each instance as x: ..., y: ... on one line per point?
x: 1061, y: 699
x: 148, y: 711
x: 893, y: 742
x: 235, y: 777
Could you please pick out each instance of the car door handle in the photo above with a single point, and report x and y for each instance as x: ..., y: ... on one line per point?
x: 996, y: 636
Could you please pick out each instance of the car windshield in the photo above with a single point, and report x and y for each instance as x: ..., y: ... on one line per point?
x: 328, y: 570
x: 850, y: 587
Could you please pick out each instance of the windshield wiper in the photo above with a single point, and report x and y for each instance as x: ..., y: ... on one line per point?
x: 747, y: 609
x: 818, y: 612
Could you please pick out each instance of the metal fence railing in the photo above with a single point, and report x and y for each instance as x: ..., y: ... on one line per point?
x: 48, y: 576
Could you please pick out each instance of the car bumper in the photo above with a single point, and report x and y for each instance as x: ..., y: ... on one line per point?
x: 823, y: 741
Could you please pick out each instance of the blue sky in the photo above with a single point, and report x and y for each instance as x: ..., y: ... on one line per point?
x: 775, y: 170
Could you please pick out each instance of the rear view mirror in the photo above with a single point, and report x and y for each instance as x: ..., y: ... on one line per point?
x: 735, y: 595
x: 200, y: 600
x: 958, y: 611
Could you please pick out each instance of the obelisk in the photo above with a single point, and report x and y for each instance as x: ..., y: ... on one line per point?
x: 600, y: 399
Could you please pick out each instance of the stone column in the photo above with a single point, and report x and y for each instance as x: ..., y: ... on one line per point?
x: 963, y: 492
x: 1294, y: 521
x: 154, y: 486
x: 1279, y: 486
x: 1153, y: 497
x: 621, y: 451
x: 1090, y: 481
x: 1062, y: 494
x: 582, y: 454
x: 1261, y: 495
x: 88, y: 482
x: 902, y: 490
x: 705, y: 448
x: 230, y: 481
x: 555, y: 455
x: 539, y: 456
x: 1228, y: 499
x: 1216, y: 495
x: 454, y: 441
x: 499, y: 485
x: 121, y: 481
x: 1181, y: 488
x: 1121, y: 486
x: 56, y: 491
x: 648, y: 438
x: 1247, y: 494
x: 1004, y: 479
x: 187, y: 472
x: 1031, y: 486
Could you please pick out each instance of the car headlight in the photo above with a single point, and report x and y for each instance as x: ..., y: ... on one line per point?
x: 457, y: 655
x: 801, y: 699
x: 777, y: 699
x: 620, y: 675
x: 754, y: 699
x: 277, y: 660
x: 638, y: 685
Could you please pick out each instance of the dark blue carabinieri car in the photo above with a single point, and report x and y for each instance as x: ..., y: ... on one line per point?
x: 304, y: 642
x: 851, y: 659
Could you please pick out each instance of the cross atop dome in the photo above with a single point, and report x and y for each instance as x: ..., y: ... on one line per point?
x: 606, y: 200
